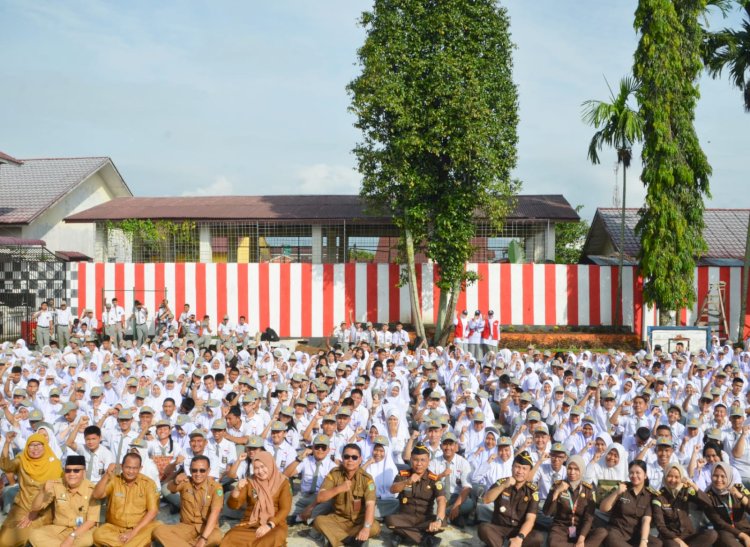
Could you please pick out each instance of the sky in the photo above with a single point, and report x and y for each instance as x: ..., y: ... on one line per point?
x: 237, y: 97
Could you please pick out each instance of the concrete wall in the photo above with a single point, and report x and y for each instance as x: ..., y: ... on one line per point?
x: 62, y: 236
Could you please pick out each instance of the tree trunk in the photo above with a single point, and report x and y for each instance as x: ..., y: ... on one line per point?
x: 416, y: 311
x: 618, y: 301
x: 745, y: 280
x: 443, y: 331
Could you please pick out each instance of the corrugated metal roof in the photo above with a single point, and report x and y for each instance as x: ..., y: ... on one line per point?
x: 308, y: 208
x: 31, y: 187
x: 725, y: 232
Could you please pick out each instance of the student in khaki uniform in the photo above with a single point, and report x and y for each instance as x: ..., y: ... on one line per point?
x: 35, y: 466
x: 353, y: 493
x: 75, y: 511
x: 201, y: 501
x: 133, y: 503
x: 418, y: 490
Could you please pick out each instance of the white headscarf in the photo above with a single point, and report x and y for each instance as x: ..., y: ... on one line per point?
x: 383, y: 473
x: 601, y: 471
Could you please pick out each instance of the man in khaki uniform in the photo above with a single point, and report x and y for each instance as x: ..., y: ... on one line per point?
x: 201, y: 501
x: 133, y: 503
x: 76, y: 512
x: 353, y: 493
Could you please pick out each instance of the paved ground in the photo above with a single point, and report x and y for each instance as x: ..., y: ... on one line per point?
x: 452, y: 537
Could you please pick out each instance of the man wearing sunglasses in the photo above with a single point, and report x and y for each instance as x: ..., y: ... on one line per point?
x: 76, y: 512
x: 312, y: 466
x: 353, y: 493
x: 202, y: 499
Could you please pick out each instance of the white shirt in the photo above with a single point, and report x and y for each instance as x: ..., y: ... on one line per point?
x: 64, y: 317
x: 306, y: 471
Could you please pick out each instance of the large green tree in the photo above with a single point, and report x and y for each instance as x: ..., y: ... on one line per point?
x: 675, y: 169
x: 730, y: 49
x: 437, y: 108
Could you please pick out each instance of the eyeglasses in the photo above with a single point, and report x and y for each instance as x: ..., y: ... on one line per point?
x: 350, y: 457
x: 199, y: 470
x: 320, y: 447
x: 73, y: 470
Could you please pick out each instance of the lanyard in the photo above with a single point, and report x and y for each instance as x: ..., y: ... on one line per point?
x: 573, y: 505
x: 728, y: 508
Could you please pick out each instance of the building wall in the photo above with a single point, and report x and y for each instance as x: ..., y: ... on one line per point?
x: 304, y: 300
x: 62, y: 236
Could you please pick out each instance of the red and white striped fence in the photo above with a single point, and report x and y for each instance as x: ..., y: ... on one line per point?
x: 308, y: 300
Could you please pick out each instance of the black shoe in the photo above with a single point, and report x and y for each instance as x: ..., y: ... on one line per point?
x: 430, y: 541
x: 291, y: 520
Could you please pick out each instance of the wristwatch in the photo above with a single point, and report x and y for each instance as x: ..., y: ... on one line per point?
x: 73, y: 535
x: 521, y: 536
x: 368, y: 525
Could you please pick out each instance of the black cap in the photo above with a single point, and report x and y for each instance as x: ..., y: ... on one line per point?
x: 75, y: 460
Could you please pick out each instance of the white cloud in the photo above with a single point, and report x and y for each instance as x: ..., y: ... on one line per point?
x: 219, y: 187
x: 322, y: 178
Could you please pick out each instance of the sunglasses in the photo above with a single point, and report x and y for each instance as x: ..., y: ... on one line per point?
x: 73, y: 470
x: 320, y: 447
x: 350, y: 457
x: 198, y: 470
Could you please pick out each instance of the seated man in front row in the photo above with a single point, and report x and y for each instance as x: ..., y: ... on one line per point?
x: 516, y: 503
x: 76, y: 512
x: 353, y: 493
x: 418, y: 490
x: 132, y: 507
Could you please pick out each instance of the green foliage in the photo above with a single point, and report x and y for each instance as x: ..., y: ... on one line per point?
x: 675, y: 169
x: 619, y: 126
x: 157, y: 239
x: 437, y: 108
x: 569, y: 240
x: 730, y: 49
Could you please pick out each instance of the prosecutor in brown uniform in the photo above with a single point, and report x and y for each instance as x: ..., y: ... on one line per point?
x: 75, y: 511
x: 418, y: 490
x: 269, y: 499
x: 353, y: 493
x: 727, y: 506
x: 34, y: 466
x: 629, y: 507
x: 571, y: 504
x: 201, y: 501
x: 133, y: 503
x: 671, y: 507
x: 516, y: 504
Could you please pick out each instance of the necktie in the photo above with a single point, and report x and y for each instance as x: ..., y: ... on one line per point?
x: 90, y: 466
x: 275, y: 452
x: 314, y: 484
x: 218, y: 447
x: 119, y: 447
x: 448, y: 483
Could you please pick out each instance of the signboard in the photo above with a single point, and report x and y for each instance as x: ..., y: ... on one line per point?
x: 680, y: 339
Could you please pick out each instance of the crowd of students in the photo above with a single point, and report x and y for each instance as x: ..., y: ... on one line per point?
x: 582, y: 448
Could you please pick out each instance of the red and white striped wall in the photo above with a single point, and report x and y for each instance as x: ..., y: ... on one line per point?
x: 308, y: 300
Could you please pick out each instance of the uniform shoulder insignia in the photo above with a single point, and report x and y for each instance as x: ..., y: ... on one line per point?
x: 587, y: 485
x: 532, y: 486
x: 652, y: 491
x: 432, y: 476
x: 535, y: 496
x: 403, y: 473
x: 655, y: 502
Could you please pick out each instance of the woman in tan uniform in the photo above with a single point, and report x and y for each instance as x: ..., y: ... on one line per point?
x: 269, y: 500
x: 34, y: 466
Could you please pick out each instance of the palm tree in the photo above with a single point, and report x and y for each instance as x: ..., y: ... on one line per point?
x: 618, y: 126
x: 730, y: 49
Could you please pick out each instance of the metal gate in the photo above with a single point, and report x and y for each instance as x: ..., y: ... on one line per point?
x: 29, y: 275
